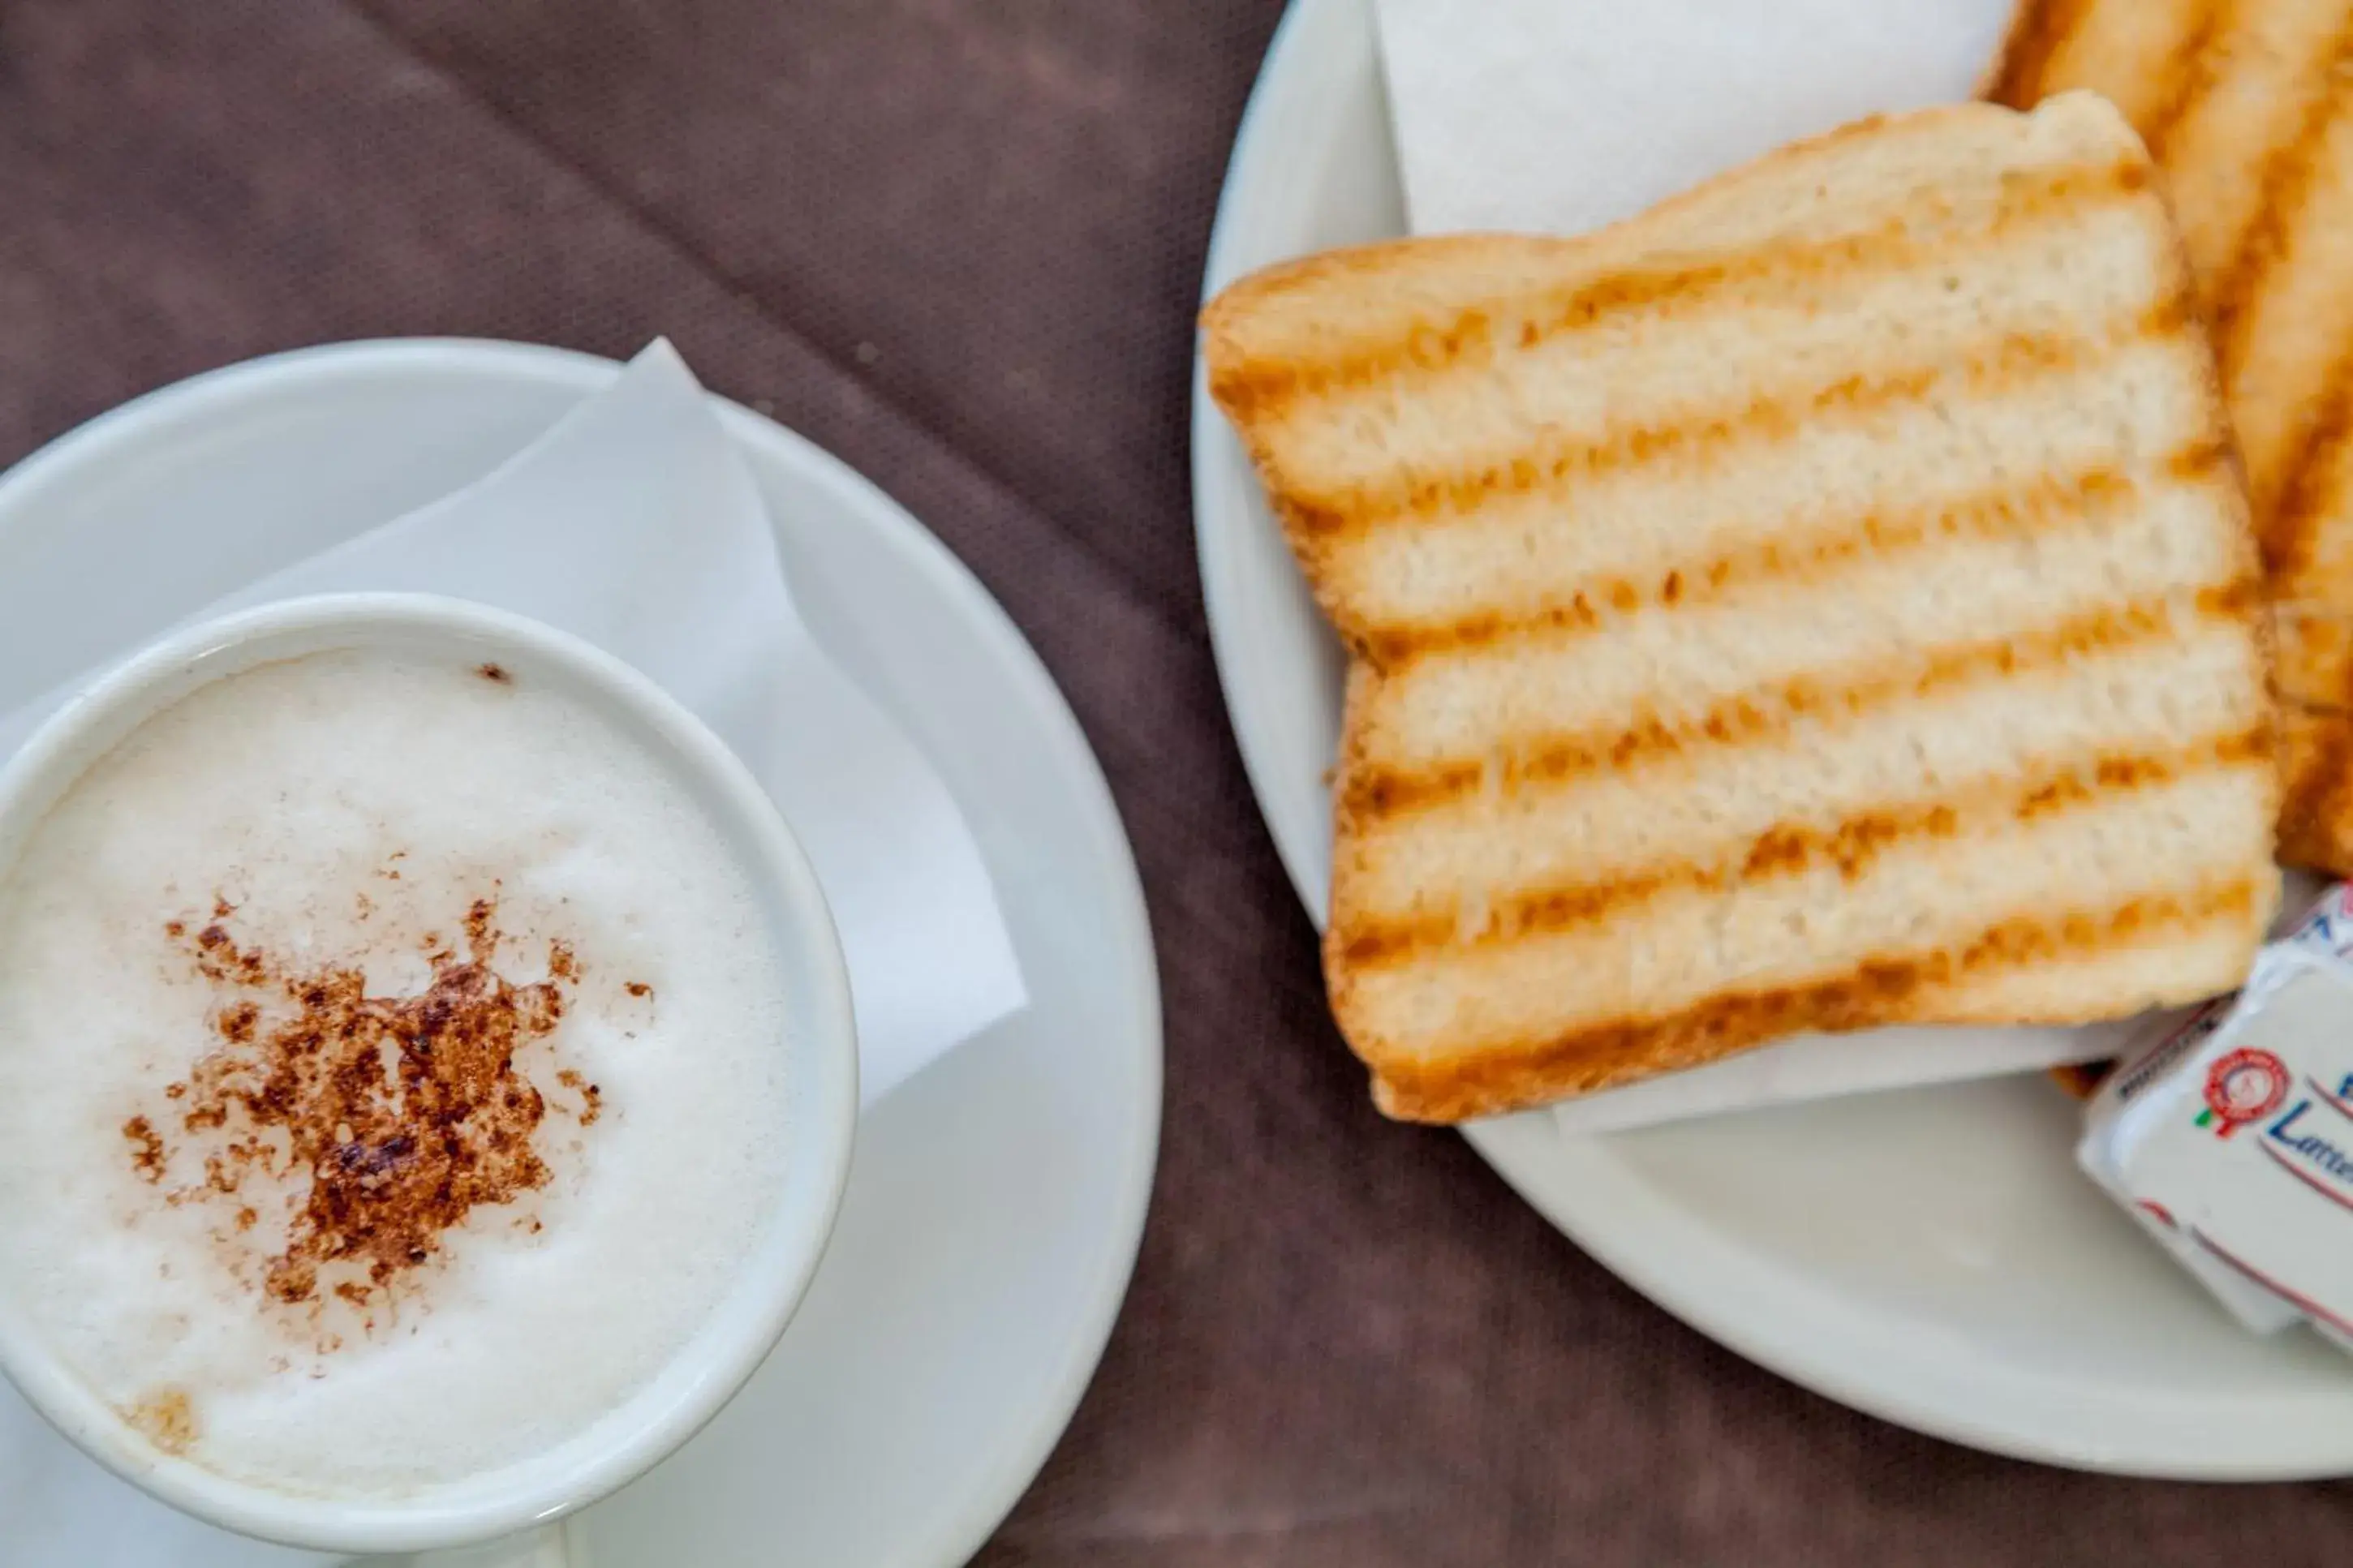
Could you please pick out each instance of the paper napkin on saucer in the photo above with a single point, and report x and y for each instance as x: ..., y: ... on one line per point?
x: 1544, y: 118
x: 636, y: 524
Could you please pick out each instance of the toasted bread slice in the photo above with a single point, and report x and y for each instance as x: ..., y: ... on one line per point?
x: 1824, y: 601
x: 2245, y: 109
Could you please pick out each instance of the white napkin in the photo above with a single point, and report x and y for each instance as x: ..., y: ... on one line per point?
x: 1545, y: 117
x: 635, y: 524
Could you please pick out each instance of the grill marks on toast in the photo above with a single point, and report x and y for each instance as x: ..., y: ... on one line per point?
x: 2037, y: 36
x: 2286, y: 184
x: 1874, y: 990
x: 2186, y: 75
x: 1376, y: 790
x: 1850, y: 847
x: 2307, y: 494
x: 1554, y: 463
x: 2161, y: 48
x: 2004, y: 511
x: 2264, y: 188
x: 1909, y: 237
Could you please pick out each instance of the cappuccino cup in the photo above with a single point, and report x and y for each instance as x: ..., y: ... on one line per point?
x: 426, y: 1073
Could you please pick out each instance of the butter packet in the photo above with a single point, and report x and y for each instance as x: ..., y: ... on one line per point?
x: 2229, y: 1138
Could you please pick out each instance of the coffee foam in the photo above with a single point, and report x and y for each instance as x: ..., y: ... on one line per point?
x: 340, y: 810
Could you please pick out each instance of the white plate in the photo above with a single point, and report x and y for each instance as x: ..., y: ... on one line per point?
x: 997, y: 1200
x: 1930, y: 1256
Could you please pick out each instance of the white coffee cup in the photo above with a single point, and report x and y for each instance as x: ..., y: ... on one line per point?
x: 822, y: 1078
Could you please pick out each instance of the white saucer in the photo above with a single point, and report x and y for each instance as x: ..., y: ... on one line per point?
x: 995, y: 1201
x: 1930, y: 1256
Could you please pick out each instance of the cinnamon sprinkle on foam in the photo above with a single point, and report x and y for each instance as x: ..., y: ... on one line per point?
x: 399, y: 1114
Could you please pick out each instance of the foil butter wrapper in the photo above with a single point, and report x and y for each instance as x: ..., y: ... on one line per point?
x: 2230, y: 1135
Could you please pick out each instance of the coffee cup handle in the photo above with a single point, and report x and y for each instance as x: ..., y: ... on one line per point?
x: 542, y: 1548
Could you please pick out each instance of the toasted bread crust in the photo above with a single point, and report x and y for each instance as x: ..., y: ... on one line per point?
x: 1894, y: 987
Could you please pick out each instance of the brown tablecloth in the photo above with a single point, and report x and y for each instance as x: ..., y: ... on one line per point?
x: 959, y: 242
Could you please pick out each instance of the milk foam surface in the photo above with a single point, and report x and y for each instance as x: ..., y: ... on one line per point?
x: 349, y: 807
